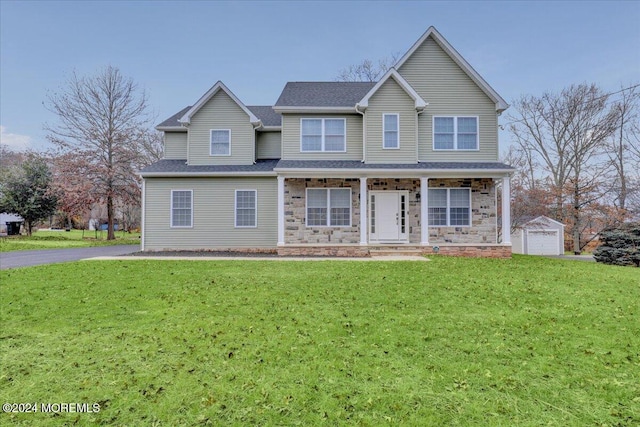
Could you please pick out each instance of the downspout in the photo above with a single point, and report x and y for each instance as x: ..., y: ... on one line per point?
x: 256, y: 126
x: 364, y: 134
x: 419, y: 110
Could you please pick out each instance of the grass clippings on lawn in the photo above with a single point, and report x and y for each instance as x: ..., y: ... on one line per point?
x: 522, y: 342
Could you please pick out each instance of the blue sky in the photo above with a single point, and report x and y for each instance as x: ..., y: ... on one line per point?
x: 177, y: 50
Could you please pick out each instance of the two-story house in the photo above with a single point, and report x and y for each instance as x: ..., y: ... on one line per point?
x: 338, y: 168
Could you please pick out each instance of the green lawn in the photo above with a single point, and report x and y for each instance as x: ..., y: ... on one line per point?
x: 64, y: 239
x: 450, y: 342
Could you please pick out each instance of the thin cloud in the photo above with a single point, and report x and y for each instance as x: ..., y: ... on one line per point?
x: 14, y: 141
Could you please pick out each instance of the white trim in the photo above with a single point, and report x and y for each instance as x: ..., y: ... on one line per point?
x: 397, y: 115
x: 455, y: 133
x: 424, y: 211
x: 171, y: 210
x: 364, y: 208
x: 211, y: 142
x: 390, y: 173
x: 448, y: 207
x: 328, y: 190
x: 179, y: 129
x: 186, y: 118
x: 501, y: 104
x: 203, y: 174
x: 506, y: 210
x: 322, y: 134
x: 543, y: 218
x: 419, y: 103
x: 142, y: 213
x: 281, y: 211
x: 235, y: 209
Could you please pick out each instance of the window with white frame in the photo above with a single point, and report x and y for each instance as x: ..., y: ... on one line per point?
x: 220, y: 142
x: 246, y: 208
x: 328, y: 207
x: 181, y: 208
x: 449, y: 207
x: 455, y: 133
x: 390, y: 131
x: 322, y: 135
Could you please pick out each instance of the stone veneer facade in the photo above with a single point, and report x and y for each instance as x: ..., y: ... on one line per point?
x: 483, y: 211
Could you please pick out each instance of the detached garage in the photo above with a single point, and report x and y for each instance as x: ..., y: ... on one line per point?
x: 539, y: 236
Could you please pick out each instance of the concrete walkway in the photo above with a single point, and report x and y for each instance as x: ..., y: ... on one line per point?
x: 52, y: 256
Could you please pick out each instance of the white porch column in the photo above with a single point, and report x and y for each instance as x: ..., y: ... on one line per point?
x: 364, y: 202
x: 424, y: 211
x: 506, y: 210
x: 281, y: 211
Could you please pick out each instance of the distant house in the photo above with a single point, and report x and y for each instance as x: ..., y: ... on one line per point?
x: 337, y: 168
x: 539, y: 236
x: 5, y: 217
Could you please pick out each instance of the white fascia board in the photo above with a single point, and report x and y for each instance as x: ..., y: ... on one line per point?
x: 501, y: 104
x: 186, y: 118
x: 202, y: 174
x: 171, y: 128
x: 420, y: 103
x: 271, y: 129
x: 319, y: 110
x: 390, y: 173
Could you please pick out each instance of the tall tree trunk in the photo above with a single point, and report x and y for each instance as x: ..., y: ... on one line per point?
x: 577, y: 250
x: 110, y: 232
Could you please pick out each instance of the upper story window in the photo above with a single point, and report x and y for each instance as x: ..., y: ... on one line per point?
x: 449, y: 207
x: 391, y: 131
x: 318, y: 135
x: 181, y: 208
x: 220, y: 142
x: 455, y: 133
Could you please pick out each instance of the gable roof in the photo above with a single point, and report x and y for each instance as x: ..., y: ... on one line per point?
x: 501, y: 104
x: 172, y: 122
x: 420, y: 103
x: 538, y: 219
x: 267, y: 116
x: 321, y: 95
x: 219, y: 86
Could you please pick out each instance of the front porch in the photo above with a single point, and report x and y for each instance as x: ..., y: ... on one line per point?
x: 361, y: 216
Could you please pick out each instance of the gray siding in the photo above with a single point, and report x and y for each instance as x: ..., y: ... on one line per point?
x: 213, y: 214
x: 269, y: 145
x: 392, y: 99
x: 175, y: 145
x: 450, y: 92
x: 221, y: 112
x: 291, y: 138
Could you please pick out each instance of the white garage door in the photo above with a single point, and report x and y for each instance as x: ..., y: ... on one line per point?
x: 542, y: 242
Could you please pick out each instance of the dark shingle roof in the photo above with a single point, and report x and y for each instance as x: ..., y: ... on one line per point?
x: 323, y: 94
x: 173, y: 120
x: 263, y: 112
x: 357, y: 164
x: 180, y: 166
x: 267, y: 116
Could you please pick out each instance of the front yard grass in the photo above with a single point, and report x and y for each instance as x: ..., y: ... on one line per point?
x: 42, y: 239
x: 469, y: 342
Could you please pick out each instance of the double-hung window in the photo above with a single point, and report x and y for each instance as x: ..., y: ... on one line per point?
x: 322, y: 135
x: 181, y: 208
x: 220, y: 142
x: 246, y: 209
x: 449, y: 207
x: 390, y: 131
x: 328, y: 207
x: 455, y: 133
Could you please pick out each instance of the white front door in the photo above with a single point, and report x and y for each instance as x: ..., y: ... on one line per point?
x: 388, y: 216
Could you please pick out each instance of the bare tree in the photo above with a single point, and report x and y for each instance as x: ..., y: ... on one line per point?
x: 566, y: 133
x: 102, y: 121
x: 367, y: 70
x: 623, y: 148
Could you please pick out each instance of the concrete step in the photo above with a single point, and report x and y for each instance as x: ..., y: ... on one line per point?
x: 374, y: 252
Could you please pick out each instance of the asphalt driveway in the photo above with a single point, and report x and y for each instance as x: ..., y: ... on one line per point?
x: 52, y: 256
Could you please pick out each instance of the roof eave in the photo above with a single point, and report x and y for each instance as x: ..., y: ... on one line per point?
x: 203, y: 174
x: 393, y: 173
x: 171, y: 128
